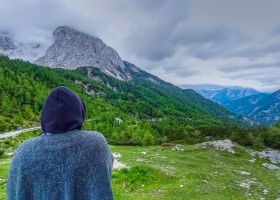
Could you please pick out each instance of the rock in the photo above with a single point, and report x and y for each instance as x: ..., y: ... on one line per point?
x: 72, y: 48
x: 246, y: 184
x: 119, y: 121
x: 223, y: 145
x: 117, y: 164
x: 271, y: 166
x: 243, y: 172
x: 161, y: 191
x: 116, y: 155
x: 252, y: 160
x: 139, y: 160
x: 265, y: 192
x: 271, y: 154
x: 177, y: 148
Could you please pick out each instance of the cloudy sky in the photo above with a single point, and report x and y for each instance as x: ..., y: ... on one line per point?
x: 225, y: 42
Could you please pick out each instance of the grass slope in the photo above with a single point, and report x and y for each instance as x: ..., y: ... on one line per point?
x: 191, y: 173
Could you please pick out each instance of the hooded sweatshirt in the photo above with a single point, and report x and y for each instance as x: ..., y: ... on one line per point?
x: 64, y: 162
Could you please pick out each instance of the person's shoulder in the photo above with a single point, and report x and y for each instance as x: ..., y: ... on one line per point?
x: 93, y: 136
x: 28, y: 144
x: 25, y: 148
x: 92, y: 140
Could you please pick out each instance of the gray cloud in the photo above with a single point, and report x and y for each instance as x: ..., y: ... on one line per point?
x: 250, y: 66
x: 182, y: 41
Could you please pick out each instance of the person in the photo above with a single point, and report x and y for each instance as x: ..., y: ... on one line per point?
x: 64, y: 162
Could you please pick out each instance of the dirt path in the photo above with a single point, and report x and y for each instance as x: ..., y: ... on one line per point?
x: 16, y: 133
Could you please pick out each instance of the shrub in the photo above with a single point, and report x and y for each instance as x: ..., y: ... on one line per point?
x: 258, y: 142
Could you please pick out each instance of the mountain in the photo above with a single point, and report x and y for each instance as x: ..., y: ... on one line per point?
x: 191, y: 98
x: 123, y: 84
x: 222, y: 94
x: 13, y: 48
x: 7, y: 45
x: 267, y: 110
x: 262, y: 108
x: 72, y: 49
x: 244, y: 105
x: 152, y: 110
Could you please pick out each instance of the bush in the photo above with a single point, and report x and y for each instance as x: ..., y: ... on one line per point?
x: 242, y: 137
x: 134, y: 177
x: 272, y: 137
x: 258, y: 142
x: 2, y: 152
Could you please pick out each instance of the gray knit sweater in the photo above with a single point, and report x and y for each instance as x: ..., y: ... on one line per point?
x: 73, y: 165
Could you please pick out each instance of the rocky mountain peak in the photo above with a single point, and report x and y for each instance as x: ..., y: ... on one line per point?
x: 72, y: 48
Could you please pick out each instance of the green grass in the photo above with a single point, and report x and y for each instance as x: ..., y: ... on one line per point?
x: 191, y: 173
x: 203, y: 173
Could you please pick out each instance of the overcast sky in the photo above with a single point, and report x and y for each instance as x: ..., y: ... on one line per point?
x: 225, y: 42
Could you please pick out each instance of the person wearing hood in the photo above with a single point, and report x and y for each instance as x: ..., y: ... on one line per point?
x: 64, y: 162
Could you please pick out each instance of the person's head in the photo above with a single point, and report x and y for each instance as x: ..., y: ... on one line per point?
x: 63, y: 111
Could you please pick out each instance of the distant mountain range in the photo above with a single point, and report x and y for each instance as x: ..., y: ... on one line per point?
x: 222, y: 94
x: 15, y: 49
x: 261, y: 107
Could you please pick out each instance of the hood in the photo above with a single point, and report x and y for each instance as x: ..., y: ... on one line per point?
x: 63, y: 111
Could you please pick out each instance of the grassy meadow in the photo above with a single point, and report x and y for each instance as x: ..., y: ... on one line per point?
x: 189, y: 172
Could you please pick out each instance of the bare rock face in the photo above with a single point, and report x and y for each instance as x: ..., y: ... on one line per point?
x: 271, y: 154
x: 223, y: 145
x: 72, y: 49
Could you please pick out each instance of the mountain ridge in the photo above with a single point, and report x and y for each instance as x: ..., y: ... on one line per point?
x: 267, y: 110
x: 222, y: 94
x: 72, y: 49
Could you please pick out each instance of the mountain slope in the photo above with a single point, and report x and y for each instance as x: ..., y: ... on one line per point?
x: 244, y: 105
x: 267, y: 110
x: 72, y: 49
x: 222, y: 94
x: 190, y: 96
x: 151, y: 113
x: 7, y: 46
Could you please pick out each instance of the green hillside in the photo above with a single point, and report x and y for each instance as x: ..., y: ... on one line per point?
x: 152, y: 113
x: 24, y: 87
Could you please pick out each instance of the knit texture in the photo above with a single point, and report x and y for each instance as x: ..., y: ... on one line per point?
x: 70, y: 166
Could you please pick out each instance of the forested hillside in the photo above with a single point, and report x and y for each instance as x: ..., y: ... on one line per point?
x: 24, y: 87
x: 150, y: 113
